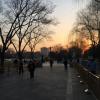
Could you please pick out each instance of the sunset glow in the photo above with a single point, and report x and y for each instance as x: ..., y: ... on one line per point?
x: 65, y: 13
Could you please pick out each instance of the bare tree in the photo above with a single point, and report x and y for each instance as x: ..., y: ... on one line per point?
x: 37, y: 36
x: 11, y: 25
x: 36, y: 17
x: 1, y: 8
x: 86, y: 0
x: 87, y: 23
x: 22, y: 17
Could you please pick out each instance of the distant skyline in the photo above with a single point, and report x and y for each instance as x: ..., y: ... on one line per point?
x: 65, y: 12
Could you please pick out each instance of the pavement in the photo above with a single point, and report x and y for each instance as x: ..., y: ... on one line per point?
x: 48, y: 84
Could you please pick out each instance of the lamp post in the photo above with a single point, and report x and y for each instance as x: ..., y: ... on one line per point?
x: 0, y: 31
x: 50, y: 52
x: 99, y: 32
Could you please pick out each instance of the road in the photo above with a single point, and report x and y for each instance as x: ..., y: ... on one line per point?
x: 48, y: 84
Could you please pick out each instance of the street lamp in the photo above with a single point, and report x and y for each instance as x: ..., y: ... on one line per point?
x: 0, y: 31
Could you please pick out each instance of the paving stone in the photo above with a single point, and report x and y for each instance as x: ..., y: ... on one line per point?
x: 55, y: 84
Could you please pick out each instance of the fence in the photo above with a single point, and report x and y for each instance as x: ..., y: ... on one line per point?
x: 90, y: 79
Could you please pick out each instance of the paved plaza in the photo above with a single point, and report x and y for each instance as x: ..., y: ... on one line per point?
x: 48, y: 84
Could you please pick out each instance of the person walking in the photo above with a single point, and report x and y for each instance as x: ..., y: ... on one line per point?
x: 21, y: 70
x: 31, y: 69
x: 51, y: 63
x: 65, y: 64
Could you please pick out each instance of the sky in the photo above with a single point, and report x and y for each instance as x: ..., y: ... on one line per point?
x: 65, y: 12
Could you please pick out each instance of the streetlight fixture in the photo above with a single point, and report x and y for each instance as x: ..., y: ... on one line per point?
x: 0, y: 31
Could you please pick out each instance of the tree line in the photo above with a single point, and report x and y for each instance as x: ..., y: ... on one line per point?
x: 87, y: 26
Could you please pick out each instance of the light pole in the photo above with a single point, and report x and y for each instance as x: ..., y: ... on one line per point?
x: 0, y: 31
x: 99, y: 32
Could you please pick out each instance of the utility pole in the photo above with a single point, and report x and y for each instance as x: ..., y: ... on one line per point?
x: 0, y: 31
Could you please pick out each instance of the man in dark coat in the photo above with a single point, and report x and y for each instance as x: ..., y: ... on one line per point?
x: 65, y: 64
x: 31, y: 68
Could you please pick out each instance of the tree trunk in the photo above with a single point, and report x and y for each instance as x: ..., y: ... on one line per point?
x: 32, y: 54
x: 2, y: 61
x: 20, y: 64
x: 20, y: 69
x: 19, y: 52
x: 99, y: 37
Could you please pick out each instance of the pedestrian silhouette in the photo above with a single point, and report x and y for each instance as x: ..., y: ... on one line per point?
x: 51, y: 63
x: 31, y: 69
x: 65, y: 64
x: 15, y: 62
x: 21, y: 68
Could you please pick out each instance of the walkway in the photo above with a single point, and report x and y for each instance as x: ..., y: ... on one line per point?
x: 49, y: 84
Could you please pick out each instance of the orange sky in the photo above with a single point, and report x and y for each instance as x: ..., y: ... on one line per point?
x: 65, y: 12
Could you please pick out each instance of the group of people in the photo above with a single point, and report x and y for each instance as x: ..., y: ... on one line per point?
x: 32, y: 65
x: 91, y: 64
x: 65, y: 62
